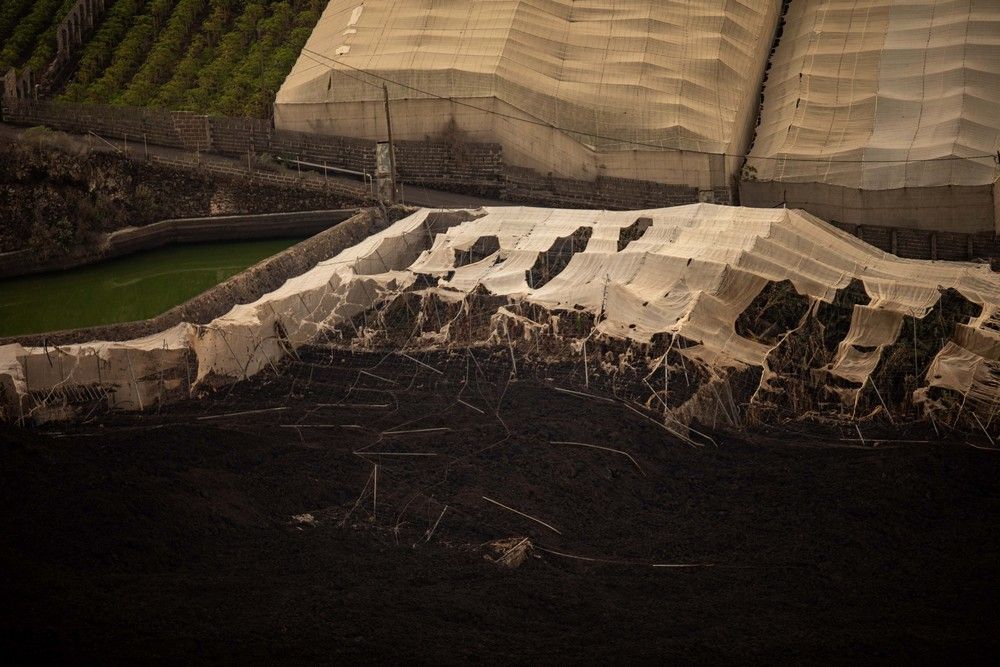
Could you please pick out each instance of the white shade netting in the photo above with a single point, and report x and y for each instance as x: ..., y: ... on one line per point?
x: 687, y: 273
x: 577, y: 88
x: 882, y: 95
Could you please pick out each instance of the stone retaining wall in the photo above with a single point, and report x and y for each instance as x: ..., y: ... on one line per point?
x: 460, y: 167
x: 968, y: 209
x: 920, y: 244
x: 305, y: 181
x: 446, y: 165
x: 186, y: 230
x: 529, y: 187
x: 244, y: 287
x: 132, y: 124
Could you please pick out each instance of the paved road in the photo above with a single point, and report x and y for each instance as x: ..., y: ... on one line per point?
x: 413, y: 195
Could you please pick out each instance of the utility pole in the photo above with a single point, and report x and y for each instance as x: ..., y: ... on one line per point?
x: 392, y: 148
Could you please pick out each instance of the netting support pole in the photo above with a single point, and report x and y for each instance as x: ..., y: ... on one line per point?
x: 375, y: 492
x: 392, y: 147
x: 666, y: 379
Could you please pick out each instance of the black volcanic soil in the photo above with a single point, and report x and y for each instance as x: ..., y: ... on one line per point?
x: 169, y: 537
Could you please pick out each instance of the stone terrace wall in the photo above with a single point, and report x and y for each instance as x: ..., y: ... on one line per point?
x: 342, y: 152
x: 458, y: 166
x: 156, y: 126
x: 305, y: 181
x: 529, y: 187
x: 418, y: 162
x: 192, y: 130
x: 461, y: 167
x: 920, y: 244
x: 236, y: 136
x: 478, y: 167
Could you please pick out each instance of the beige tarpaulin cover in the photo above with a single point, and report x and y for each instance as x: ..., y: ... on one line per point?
x: 882, y: 94
x: 692, y: 272
x: 668, y: 74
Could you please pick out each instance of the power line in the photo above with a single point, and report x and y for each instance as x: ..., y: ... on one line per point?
x: 312, y: 55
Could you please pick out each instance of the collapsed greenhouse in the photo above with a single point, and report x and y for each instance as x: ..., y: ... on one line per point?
x: 694, y: 314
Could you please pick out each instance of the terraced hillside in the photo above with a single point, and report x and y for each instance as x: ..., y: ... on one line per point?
x: 210, y: 56
x: 28, y: 32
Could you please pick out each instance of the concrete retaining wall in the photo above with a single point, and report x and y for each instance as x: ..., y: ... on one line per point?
x: 244, y: 287
x: 187, y: 230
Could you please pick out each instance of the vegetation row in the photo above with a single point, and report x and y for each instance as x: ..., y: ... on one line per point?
x: 225, y: 57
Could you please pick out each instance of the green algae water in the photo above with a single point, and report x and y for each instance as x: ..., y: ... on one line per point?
x: 134, y: 287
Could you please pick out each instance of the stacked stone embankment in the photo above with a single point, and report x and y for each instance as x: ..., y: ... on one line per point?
x: 443, y: 163
x: 344, y: 231
x: 186, y: 230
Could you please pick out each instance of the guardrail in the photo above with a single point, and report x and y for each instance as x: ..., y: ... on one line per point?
x: 369, y: 179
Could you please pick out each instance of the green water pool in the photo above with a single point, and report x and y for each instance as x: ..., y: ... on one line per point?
x: 128, y: 288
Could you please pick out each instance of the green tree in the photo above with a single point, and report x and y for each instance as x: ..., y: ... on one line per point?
x: 166, y: 51
x: 45, y: 41
x: 18, y: 47
x: 10, y: 13
x: 99, y: 50
x: 210, y: 56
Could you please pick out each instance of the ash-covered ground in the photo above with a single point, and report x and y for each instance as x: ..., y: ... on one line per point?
x: 252, y: 524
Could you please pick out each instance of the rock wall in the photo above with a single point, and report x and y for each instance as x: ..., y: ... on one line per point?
x: 448, y: 163
x: 244, y: 287
x: 185, y: 230
x: 444, y: 162
x: 59, y: 199
x: 921, y: 244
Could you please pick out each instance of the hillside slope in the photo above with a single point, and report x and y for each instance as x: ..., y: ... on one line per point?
x: 28, y: 32
x: 210, y: 56
x: 57, y: 196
